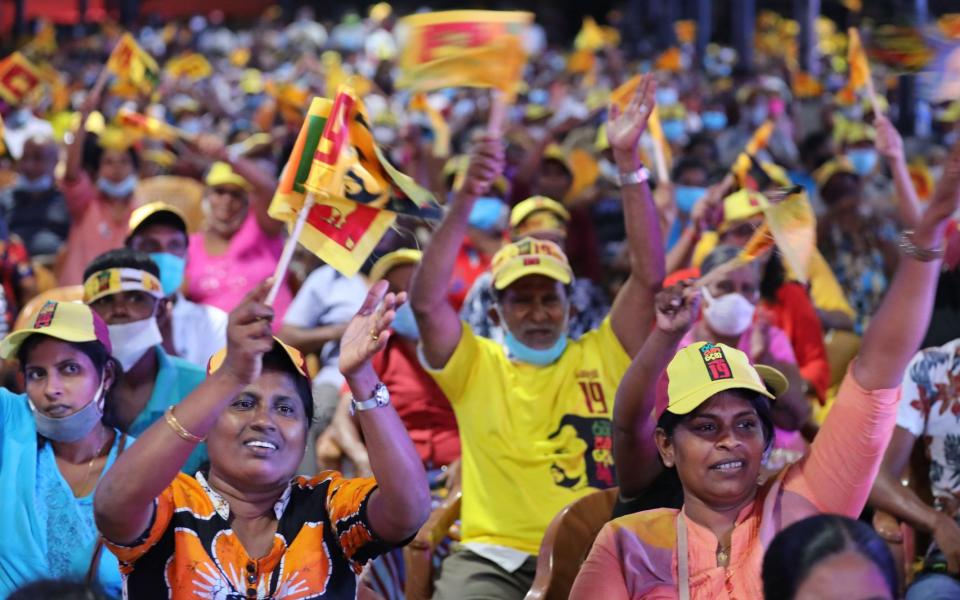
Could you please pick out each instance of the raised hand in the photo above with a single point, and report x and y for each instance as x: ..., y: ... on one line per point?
x: 249, y: 335
x: 946, y: 196
x: 677, y: 307
x: 368, y: 331
x: 487, y: 158
x: 889, y: 143
x: 211, y: 146
x: 625, y: 128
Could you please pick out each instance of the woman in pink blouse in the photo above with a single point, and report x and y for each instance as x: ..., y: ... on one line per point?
x: 714, y: 427
x: 240, y: 243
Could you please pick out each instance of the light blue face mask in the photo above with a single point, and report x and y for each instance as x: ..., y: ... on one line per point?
x: 534, y: 356
x: 667, y: 96
x: 687, y: 195
x: 171, y: 271
x: 405, y: 324
x: 864, y: 160
x: 488, y: 213
x: 673, y: 129
x: 714, y: 120
x: 40, y: 184
x: 120, y: 189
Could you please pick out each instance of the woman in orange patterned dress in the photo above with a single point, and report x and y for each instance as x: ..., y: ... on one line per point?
x: 246, y: 527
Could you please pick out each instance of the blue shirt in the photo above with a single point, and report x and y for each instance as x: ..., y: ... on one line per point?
x: 46, y: 531
x: 176, y: 378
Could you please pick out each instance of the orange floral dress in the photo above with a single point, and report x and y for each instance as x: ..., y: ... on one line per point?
x: 190, y: 551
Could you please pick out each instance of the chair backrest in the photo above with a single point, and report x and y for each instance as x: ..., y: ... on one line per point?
x: 567, y: 542
x: 182, y: 192
x: 70, y: 293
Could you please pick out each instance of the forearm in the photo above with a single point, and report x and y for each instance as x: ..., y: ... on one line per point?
x: 402, y: 502
x: 74, y: 162
x: 681, y: 254
x: 898, y: 326
x: 835, y: 319
x: 633, y: 423
x: 902, y: 502
x: 140, y: 474
x: 908, y: 205
x: 311, y: 339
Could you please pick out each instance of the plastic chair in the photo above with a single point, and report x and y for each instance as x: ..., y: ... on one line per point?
x: 418, y: 554
x: 567, y: 542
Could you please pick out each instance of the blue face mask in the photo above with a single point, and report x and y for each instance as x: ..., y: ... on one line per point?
x: 488, y: 214
x: 667, y: 96
x: 687, y: 195
x: 40, y: 184
x: 864, y: 160
x: 171, y: 271
x: 714, y: 120
x: 120, y: 189
x: 673, y: 129
x: 405, y: 324
x: 523, y: 353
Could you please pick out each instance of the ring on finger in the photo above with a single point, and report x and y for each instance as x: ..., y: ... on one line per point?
x: 374, y: 335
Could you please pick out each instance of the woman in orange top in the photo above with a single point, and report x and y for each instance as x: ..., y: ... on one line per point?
x: 247, y: 528
x: 714, y: 427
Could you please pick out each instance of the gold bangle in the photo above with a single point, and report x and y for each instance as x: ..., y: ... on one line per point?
x: 174, y: 424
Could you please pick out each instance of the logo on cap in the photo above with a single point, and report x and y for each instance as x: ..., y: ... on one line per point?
x: 103, y: 281
x: 45, y: 316
x: 716, y: 362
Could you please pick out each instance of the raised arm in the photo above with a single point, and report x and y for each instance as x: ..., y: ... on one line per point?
x: 890, y: 145
x: 632, y: 312
x: 897, y: 328
x: 633, y: 424
x: 437, y: 320
x: 123, y: 504
x: 401, y: 502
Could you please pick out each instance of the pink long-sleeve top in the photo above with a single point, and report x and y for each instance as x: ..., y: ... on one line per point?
x: 636, y: 556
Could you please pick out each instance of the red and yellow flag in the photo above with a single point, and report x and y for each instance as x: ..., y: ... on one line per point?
x: 150, y: 127
x: 463, y: 48
x: 18, y: 79
x: 132, y: 65
x: 357, y: 193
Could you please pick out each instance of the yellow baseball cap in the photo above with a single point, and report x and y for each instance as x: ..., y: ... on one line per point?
x: 387, y: 262
x: 143, y: 213
x: 222, y: 173
x: 840, y: 164
x: 555, y: 152
x: 554, y: 216
x: 67, y: 321
x: 703, y: 369
x: 295, y: 356
x: 530, y: 256
x: 743, y: 204
x: 116, y: 280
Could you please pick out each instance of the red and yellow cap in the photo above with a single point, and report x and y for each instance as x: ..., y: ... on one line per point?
x: 742, y: 205
x: 703, y: 369
x: 116, y: 280
x: 67, y: 321
x: 530, y: 256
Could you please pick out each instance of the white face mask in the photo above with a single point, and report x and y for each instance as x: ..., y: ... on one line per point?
x: 132, y: 340
x: 729, y: 314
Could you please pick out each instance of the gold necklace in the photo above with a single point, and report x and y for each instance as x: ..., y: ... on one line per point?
x: 723, y: 556
x: 83, y: 491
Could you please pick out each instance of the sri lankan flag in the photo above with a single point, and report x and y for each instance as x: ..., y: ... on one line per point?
x: 191, y: 66
x: 463, y: 48
x: 142, y: 125
x: 19, y: 78
x: 132, y: 65
x: 357, y: 193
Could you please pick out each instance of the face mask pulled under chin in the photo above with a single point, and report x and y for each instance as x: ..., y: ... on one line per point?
x: 71, y: 428
x: 729, y: 314
x: 131, y: 341
x: 120, y: 189
x: 541, y: 357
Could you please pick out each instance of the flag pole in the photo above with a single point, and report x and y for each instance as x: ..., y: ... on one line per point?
x: 281, y: 271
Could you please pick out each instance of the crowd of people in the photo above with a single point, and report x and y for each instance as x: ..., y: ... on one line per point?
x: 578, y: 320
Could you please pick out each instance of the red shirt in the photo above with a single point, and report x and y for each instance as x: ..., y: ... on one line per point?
x: 470, y: 264
x: 422, y: 407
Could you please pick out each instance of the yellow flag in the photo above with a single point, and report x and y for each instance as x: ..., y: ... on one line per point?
x: 857, y: 60
x: 19, y: 78
x: 463, y: 48
x: 794, y: 227
x: 132, y: 65
x: 590, y: 37
x: 758, y: 244
x: 150, y: 127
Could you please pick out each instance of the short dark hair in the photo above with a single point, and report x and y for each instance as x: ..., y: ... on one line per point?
x: 689, y: 163
x: 668, y: 421
x: 277, y: 359
x: 122, y: 258
x: 98, y: 355
x: 717, y: 257
x: 56, y: 589
x: 796, y: 550
x: 164, y: 218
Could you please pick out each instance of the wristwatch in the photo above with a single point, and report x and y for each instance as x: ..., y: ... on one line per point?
x: 381, y: 397
x: 639, y: 176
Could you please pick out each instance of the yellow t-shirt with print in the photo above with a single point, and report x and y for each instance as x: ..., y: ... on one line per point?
x: 533, y: 438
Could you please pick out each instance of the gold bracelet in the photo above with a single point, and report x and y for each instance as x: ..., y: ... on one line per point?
x: 174, y: 424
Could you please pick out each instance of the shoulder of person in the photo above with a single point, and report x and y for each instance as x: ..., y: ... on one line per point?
x: 657, y: 527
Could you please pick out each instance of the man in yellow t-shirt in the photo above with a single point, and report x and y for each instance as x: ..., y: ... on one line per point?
x: 535, y: 415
